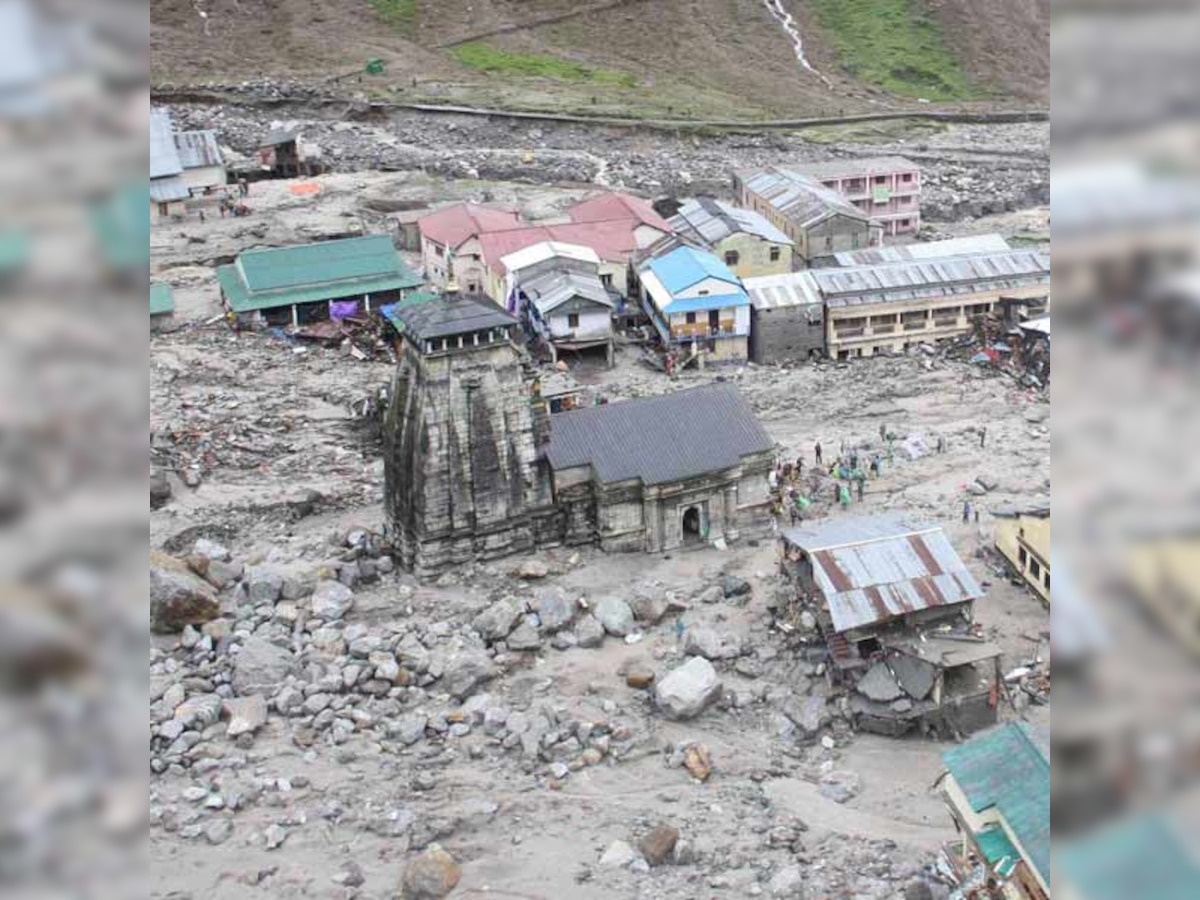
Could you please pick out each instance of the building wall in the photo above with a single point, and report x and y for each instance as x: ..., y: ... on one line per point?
x: 708, y: 287
x: 164, y: 212
x: 892, y: 197
x: 469, y: 270
x: 973, y: 822
x: 836, y: 235
x: 865, y: 330
x: 1025, y: 543
x: 204, y: 176
x: 754, y: 255
x: 495, y: 282
x: 594, y: 324
x: 786, y: 333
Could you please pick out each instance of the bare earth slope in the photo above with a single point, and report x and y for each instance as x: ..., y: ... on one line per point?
x: 704, y: 57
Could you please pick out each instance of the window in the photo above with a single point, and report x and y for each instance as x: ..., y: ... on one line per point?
x: 163, y: 209
x: 1046, y: 580
x: 691, y: 318
x: 731, y: 258
x: 472, y: 287
x: 775, y: 254
x: 904, y: 223
x: 606, y: 279
x: 906, y: 177
x: 881, y: 179
x: 714, y: 318
x: 1022, y: 556
x: 572, y: 320
x: 1035, y: 569
x: 437, y: 248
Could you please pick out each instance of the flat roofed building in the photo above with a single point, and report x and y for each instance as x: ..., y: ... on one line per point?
x: 787, y: 318
x: 964, y: 246
x: 322, y: 280
x: 1023, y: 538
x: 887, y: 188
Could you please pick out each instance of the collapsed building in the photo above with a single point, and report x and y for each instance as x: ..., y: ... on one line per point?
x: 476, y: 467
x: 894, y: 606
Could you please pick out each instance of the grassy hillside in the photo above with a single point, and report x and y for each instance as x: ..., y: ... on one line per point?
x: 699, y: 58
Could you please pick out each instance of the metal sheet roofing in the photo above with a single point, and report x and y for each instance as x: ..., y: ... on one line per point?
x: 874, y: 569
x: 551, y: 290
x: 711, y: 221
x: 802, y: 199
x: 659, y: 439
x: 280, y: 136
x: 780, y: 291
x: 891, y: 282
x: 857, y: 168
x: 615, y: 206
x: 1146, y: 856
x: 164, y: 157
x: 161, y: 301
x: 1008, y: 769
x: 1040, y: 325
x: 197, y: 148
x: 544, y: 250
x: 685, y: 266
x: 168, y: 189
x: 449, y: 315
x: 964, y: 246
x: 308, y: 273
x: 454, y: 224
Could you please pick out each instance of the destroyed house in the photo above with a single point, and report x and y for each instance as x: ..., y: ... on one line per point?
x: 997, y: 787
x: 663, y: 472
x: 894, y: 604
x: 311, y: 282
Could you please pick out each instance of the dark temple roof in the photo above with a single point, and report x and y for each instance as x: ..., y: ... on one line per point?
x: 659, y: 439
x: 450, y: 314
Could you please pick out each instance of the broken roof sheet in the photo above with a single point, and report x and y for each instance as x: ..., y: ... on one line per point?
x: 874, y: 569
x: 857, y: 168
x: 802, y: 199
x: 1008, y: 769
x: 711, y: 221
x: 659, y: 439
x: 164, y: 157
x: 448, y: 315
x: 963, y: 246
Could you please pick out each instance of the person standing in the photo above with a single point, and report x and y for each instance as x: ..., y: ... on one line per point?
x: 966, y: 512
x: 941, y: 444
x: 799, y: 467
x: 982, y: 435
x: 861, y: 487
x: 817, y: 453
x: 883, y: 431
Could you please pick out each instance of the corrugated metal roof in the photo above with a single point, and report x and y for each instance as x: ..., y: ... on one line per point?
x: 280, y: 136
x: 309, y: 273
x: 617, y: 206
x: 551, y: 290
x: 545, y: 250
x: 449, y: 315
x: 964, y: 246
x: 1144, y: 857
x: 659, y: 439
x: 857, y: 168
x: 161, y: 301
x: 164, y: 158
x: 779, y: 291
x: 197, y: 149
x: 454, y: 224
x: 1008, y: 769
x: 891, y: 282
x: 1040, y: 325
x: 167, y: 189
x: 802, y: 199
x: 874, y: 569
x: 711, y: 221
x: 685, y: 266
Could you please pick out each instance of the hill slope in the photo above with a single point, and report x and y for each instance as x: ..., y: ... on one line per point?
x: 684, y: 57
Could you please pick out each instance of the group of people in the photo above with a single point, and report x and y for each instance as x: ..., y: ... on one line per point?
x: 850, y: 473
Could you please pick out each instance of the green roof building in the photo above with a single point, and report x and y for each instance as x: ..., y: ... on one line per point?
x: 308, y: 282
x: 998, y: 788
x: 162, y: 303
x: 1144, y: 857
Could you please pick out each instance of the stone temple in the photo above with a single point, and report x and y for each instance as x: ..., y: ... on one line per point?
x: 476, y: 467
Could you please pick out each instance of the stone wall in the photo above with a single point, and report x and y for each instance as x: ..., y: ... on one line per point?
x: 779, y: 335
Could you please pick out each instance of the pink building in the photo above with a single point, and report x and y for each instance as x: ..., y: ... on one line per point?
x: 887, y: 188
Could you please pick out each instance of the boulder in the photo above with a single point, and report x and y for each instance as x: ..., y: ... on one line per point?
x: 246, y: 714
x: 589, y: 633
x: 649, y: 605
x: 495, y: 622
x: 260, y: 667
x: 615, y: 615
x: 734, y: 585
x: 525, y: 637
x: 639, y: 678
x: 618, y: 855
x: 264, y: 583
x: 160, y: 488
x: 331, y: 600
x: 698, y: 761
x: 700, y: 640
x: 554, y: 611
x: 788, y: 883
x: 178, y: 597
x: 466, y: 670
x: 533, y: 569
x: 430, y: 876
x: 688, y: 689
x: 411, y: 728
x: 211, y: 550
x: 840, y: 786
x: 714, y: 593
x: 657, y: 844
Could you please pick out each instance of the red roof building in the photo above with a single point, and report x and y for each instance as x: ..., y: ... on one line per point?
x: 451, y: 226
x: 615, y: 206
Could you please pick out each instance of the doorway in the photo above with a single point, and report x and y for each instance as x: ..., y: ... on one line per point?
x: 693, y: 524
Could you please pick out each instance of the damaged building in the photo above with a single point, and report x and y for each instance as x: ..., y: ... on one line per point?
x: 894, y: 605
x: 476, y: 467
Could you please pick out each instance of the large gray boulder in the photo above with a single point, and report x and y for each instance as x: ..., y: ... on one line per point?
x: 177, y: 596
x: 430, y: 876
x: 495, y: 622
x: 589, y: 633
x: 688, y: 689
x: 615, y: 615
x: 700, y: 640
x: 554, y: 611
x: 260, y: 667
x: 331, y: 600
x: 466, y: 670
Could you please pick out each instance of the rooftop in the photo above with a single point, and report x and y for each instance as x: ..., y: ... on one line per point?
x: 711, y: 221
x: 617, y: 206
x: 164, y: 157
x: 308, y: 273
x: 1008, y: 768
x: 550, y: 290
x: 659, y: 439
x: 611, y: 241
x: 964, y: 246
x: 161, y: 301
x: 801, y: 198
x: 448, y: 315
x: 857, y: 168
x: 778, y: 291
x: 684, y: 267
x: 1141, y: 857
x: 544, y: 250
x: 459, y: 222
x: 872, y: 569
x: 198, y: 148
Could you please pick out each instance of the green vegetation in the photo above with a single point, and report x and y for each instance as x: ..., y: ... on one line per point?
x: 401, y: 14
x: 486, y: 58
x: 871, y: 132
x: 896, y: 44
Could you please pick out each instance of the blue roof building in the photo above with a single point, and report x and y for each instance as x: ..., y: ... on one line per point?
x: 697, y: 303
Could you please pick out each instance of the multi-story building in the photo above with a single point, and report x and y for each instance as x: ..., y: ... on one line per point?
x: 895, y: 305
x: 887, y: 188
x: 450, y: 242
x: 748, y: 243
x: 1023, y: 536
x: 819, y: 221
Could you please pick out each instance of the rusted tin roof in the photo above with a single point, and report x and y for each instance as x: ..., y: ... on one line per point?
x: 874, y: 569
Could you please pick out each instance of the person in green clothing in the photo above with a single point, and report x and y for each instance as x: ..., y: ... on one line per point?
x: 844, y: 495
